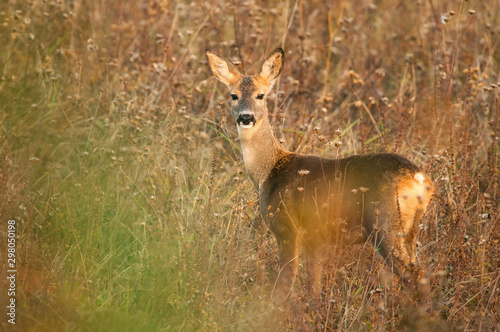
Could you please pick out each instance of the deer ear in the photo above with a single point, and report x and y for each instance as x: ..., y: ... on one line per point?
x: 272, y: 67
x: 222, y: 69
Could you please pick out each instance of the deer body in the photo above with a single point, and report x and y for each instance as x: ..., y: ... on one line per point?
x: 312, y: 202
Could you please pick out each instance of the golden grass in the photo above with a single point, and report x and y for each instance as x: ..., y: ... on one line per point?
x: 119, y: 159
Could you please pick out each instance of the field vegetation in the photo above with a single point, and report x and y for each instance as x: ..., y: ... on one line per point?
x: 120, y: 162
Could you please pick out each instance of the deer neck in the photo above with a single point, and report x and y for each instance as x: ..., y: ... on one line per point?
x: 261, y: 151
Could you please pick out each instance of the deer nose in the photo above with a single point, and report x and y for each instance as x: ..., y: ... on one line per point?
x: 246, y: 120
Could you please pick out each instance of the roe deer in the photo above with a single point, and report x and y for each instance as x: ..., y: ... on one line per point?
x: 312, y: 202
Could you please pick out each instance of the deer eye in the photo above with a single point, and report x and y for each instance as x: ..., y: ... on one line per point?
x: 261, y: 96
x: 234, y: 97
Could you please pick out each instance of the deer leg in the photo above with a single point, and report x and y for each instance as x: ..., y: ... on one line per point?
x: 390, y: 246
x: 314, y: 269
x: 288, y: 266
x: 389, y: 239
x: 411, y: 246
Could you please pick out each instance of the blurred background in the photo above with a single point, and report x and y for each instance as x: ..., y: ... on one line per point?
x: 120, y: 162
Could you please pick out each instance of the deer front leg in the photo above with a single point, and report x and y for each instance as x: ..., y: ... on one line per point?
x: 314, y: 269
x: 288, y: 266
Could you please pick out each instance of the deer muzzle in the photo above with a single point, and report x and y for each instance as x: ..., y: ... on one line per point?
x: 246, y: 120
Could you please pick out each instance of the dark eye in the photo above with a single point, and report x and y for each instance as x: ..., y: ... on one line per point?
x: 261, y: 96
x: 234, y: 97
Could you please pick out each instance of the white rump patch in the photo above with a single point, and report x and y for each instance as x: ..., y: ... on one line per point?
x: 419, y: 178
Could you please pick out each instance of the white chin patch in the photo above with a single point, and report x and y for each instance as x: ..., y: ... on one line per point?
x: 246, y: 126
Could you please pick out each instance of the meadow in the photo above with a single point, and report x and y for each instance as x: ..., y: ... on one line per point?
x: 121, y: 165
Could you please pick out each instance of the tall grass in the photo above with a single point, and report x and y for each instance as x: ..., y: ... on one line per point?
x: 120, y: 162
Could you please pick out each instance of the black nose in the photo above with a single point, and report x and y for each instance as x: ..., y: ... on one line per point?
x: 245, y: 119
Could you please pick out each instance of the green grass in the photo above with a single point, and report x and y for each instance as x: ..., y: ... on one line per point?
x: 120, y: 162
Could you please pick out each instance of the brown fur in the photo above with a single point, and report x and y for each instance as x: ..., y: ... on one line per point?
x: 314, y: 202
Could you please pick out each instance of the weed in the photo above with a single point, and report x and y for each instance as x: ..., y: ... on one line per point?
x: 122, y: 169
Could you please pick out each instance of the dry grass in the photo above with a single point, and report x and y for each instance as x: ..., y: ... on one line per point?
x: 120, y: 160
